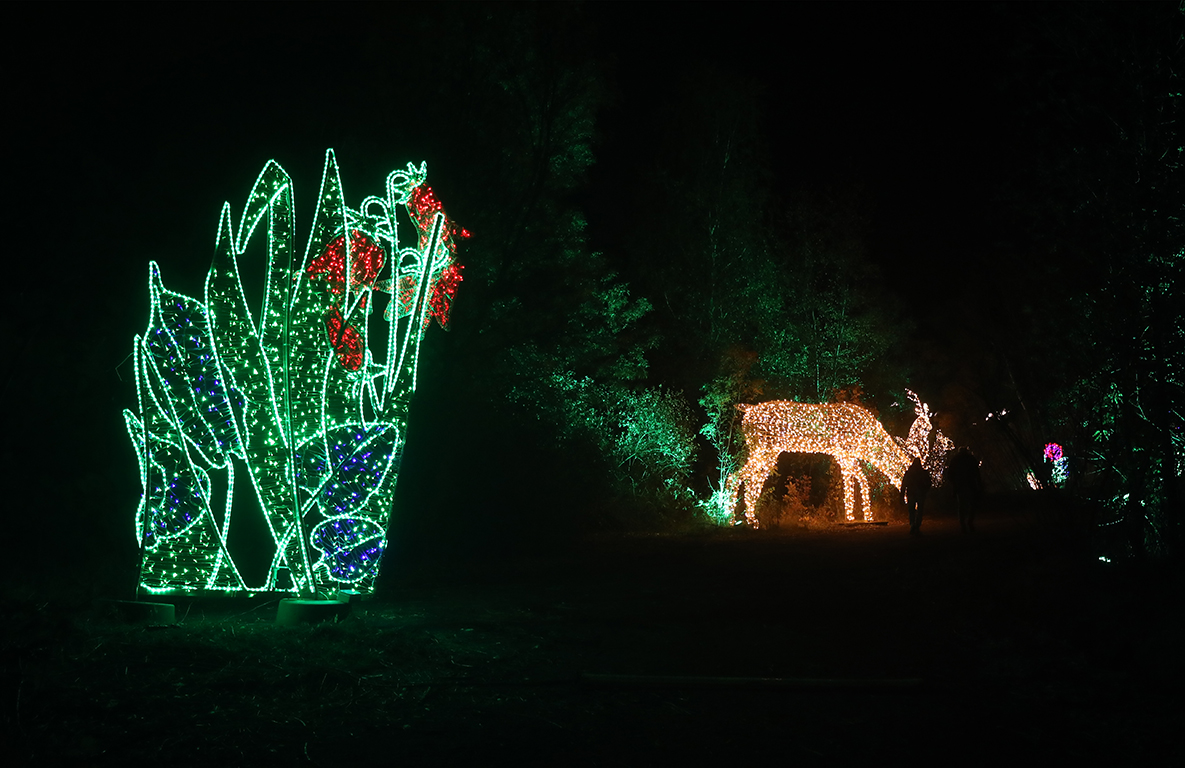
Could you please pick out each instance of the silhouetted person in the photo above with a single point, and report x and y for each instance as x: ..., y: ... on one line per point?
x: 963, y: 475
x: 915, y: 486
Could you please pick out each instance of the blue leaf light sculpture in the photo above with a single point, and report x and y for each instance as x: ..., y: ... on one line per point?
x: 292, y: 393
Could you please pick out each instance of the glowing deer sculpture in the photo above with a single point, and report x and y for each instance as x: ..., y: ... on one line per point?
x: 918, y: 444
x: 844, y: 431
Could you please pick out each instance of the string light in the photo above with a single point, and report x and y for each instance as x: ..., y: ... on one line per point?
x: 918, y: 444
x: 423, y: 206
x: 295, y: 393
x: 938, y: 457
x: 1061, y: 470
x: 845, y: 431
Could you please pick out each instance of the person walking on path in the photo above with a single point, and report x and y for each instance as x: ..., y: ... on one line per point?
x: 915, y: 486
x: 963, y: 474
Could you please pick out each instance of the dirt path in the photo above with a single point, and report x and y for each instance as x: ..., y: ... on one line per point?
x: 1010, y: 642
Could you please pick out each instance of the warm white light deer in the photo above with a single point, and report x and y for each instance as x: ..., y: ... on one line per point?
x: 918, y: 444
x: 844, y: 431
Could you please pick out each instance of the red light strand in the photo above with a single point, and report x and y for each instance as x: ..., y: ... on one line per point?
x: 366, y: 262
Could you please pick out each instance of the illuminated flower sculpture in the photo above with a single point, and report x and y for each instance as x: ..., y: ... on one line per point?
x: 1060, y: 472
x: 294, y: 393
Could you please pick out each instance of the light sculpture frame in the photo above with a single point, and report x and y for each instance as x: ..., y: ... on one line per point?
x: 847, y: 432
x: 294, y: 394
x: 932, y: 453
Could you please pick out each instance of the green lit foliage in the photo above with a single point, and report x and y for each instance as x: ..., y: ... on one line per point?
x: 644, y: 436
x: 655, y: 443
x: 292, y: 391
x: 723, y: 429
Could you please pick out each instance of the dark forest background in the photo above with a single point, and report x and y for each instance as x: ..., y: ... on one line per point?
x: 674, y: 208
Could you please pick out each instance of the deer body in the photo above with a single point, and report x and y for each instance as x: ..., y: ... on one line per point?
x: 844, y: 431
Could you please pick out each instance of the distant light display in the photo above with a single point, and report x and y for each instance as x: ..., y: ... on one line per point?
x: 844, y: 431
x: 295, y: 393
x: 1061, y: 469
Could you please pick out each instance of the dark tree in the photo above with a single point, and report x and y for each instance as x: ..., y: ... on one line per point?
x: 1103, y: 336
x: 524, y: 420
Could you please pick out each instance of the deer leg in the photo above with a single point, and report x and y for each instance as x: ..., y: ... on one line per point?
x: 753, y: 484
x: 755, y: 473
x: 849, y: 492
x: 863, y: 477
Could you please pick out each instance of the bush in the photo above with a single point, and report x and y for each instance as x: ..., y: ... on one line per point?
x: 654, y: 443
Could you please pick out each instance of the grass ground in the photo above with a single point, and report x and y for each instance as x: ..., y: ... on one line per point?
x: 1014, y: 642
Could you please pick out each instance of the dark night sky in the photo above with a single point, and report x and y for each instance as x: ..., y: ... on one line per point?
x: 905, y: 100
x: 152, y: 114
x: 173, y: 109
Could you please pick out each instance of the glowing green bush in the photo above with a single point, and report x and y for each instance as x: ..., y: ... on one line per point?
x: 723, y: 433
x: 294, y: 393
x: 655, y: 442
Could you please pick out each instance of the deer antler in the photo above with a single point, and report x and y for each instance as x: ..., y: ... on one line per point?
x: 920, y: 408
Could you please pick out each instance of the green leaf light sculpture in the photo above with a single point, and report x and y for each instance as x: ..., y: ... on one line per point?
x: 294, y: 393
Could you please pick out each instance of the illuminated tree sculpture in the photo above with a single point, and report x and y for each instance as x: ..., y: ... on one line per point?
x: 294, y: 393
x: 844, y: 431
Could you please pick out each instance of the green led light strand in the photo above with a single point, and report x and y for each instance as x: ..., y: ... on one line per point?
x: 294, y: 392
